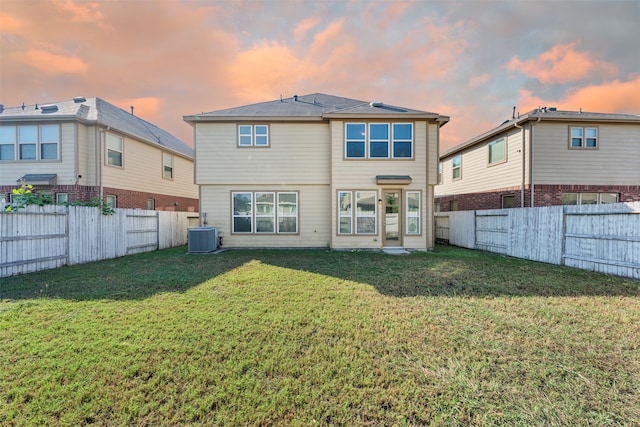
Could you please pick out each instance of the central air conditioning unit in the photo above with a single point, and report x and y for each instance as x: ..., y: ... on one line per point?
x: 202, y: 240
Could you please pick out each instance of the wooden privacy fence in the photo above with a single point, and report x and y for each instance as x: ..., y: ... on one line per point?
x: 602, y: 238
x: 40, y: 238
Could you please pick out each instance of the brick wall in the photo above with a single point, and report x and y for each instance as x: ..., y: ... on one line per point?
x: 124, y: 198
x: 544, y: 195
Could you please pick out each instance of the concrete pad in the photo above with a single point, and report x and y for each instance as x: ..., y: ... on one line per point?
x: 395, y: 251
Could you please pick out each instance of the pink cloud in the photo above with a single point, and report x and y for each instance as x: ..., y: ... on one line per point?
x: 477, y: 81
x: 9, y: 24
x: 304, y: 27
x: 87, y: 12
x: 146, y: 108
x: 609, y: 97
x: 325, y: 40
x: 561, y: 64
x: 53, y: 64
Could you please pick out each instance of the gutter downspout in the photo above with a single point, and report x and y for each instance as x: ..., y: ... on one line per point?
x: 532, y: 185
x: 523, y: 165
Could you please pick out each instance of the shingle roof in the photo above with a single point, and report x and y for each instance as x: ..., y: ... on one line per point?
x: 315, y: 106
x: 98, y: 111
x: 545, y: 114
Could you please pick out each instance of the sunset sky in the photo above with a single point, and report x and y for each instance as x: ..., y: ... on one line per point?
x: 471, y: 60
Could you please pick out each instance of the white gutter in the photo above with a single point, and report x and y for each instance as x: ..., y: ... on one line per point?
x: 523, y: 165
x: 532, y: 185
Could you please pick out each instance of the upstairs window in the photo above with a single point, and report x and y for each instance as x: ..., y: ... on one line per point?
x: 114, y: 150
x: 402, y: 140
x: 355, y: 140
x: 586, y: 137
x: 253, y: 135
x: 30, y: 142
x: 167, y: 166
x: 456, y: 164
x: 497, y: 152
x: 7, y: 142
x: 379, y: 140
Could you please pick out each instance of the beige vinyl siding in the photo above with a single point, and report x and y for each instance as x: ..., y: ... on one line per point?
x: 616, y: 161
x: 11, y: 171
x: 298, y: 153
x: 142, y: 171
x: 476, y: 173
x: 313, y: 217
x: 432, y: 150
x: 87, y: 148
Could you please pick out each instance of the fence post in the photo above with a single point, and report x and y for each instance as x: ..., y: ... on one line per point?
x: 563, y: 246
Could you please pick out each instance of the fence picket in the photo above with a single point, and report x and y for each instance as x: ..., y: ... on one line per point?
x: 43, y: 237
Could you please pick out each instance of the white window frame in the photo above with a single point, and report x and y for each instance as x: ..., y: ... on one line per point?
x: 120, y: 150
x: 412, y: 215
x: 386, y: 140
x: 257, y: 136
x: 345, y: 213
x: 584, y: 138
x: 454, y: 167
x: 354, y: 212
x: 599, y: 197
x: 394, y: 140
x: 167, y: 166
x: 282, y: 214
x: 277, y: 212
x: 45, y: 142
x: 62, y: 198
x: 363, y: 141
x: 8, y: 138
x: 265, y: 215
x: 24, y: 143
x: 111, y: 201
x: 492, y: 146
x: 151, y: 204
x: 366, y: 140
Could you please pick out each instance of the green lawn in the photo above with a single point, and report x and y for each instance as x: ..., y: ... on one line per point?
x: 275, y: 337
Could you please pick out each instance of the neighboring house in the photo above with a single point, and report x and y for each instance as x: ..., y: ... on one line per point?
x: 86, y: 148
x: 318, y: 171
x: 545, y: 157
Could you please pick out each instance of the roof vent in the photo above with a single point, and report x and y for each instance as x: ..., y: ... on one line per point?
x: 553, y: 109
x: 49, y: 108
x: 79, y: 99
x: 1, y: 108
x: 295, y: 98
x: 376, y: 104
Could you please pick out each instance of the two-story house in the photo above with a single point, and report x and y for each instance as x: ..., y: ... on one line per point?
x: 87, y: 148
x: 542, y: 158
x: 318, y: 171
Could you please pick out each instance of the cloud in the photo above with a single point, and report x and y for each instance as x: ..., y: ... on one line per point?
x: 53, y: 63
x: 561, y: 64
x: 146, y: 108
x: 477, y: 81
x: 304, y: 27
x: 10, y: 24
x: 87, y: 12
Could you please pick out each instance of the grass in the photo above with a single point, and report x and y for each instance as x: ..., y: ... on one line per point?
x: 452, y: 337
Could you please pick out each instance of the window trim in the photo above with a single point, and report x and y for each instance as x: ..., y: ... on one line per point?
x: 106, y: 158
x: 276, y: 215
x: 371, y: 140
x: 408, y: 211
x: 38, y: 142
x: 111, y: 201
x: 354, y: 215
x: 366, y: 141
x: 166, y: 156
x: 583, y: 137
x: 64, y: 196
x: 506, y: 196
x: 504, y: 152
x: 394, y: 140
x: 459, y: 167
x: 579, y: 195
x: 253, y: 135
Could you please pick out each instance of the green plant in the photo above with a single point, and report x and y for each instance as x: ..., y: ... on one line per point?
x: 25, y: 196
x: 95, y: 202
